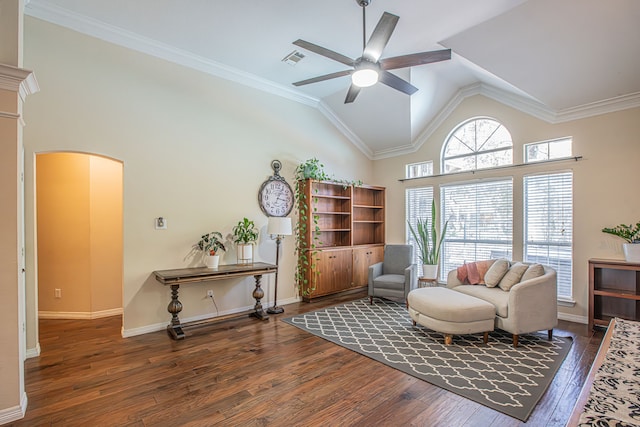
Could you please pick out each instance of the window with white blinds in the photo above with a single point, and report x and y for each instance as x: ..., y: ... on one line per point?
x: 548, y: 227
x: 480, y: 219
x: 418, y: 206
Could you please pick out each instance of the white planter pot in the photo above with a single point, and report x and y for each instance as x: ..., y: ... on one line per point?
x: 430, y: 271
x: 211, y: 261
x: 245, y: 254
x: 631, y: 252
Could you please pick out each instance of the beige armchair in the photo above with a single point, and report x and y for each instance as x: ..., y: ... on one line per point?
x: 529, y: 306
x: 395, y: 276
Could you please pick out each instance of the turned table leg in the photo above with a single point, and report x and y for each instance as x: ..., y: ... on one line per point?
x: 258, y: 294
x: 175, y: 306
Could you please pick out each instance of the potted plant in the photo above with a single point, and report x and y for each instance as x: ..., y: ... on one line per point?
x: 211, y: 244
x: 631, y: 235
x: 245, y: 234
x: 428, y: 243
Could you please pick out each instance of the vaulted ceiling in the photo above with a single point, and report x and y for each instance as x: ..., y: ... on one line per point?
x: 556, y: 60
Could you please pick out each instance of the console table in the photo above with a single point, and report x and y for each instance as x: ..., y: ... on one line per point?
x: 184, y: 276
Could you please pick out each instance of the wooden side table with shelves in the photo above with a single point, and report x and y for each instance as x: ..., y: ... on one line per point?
x: 424, y: 282
x: 614, y: 291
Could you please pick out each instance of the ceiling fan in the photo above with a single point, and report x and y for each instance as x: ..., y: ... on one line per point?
x: 369, y: 68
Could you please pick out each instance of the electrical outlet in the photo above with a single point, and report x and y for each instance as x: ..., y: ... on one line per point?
x: 57, y: 292
x: 210, y: 293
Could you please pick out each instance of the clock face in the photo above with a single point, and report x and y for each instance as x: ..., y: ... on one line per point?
x: 275, y: 197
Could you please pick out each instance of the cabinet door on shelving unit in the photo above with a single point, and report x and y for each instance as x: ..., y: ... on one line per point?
x: 331, y: 271
x: 363, y: 257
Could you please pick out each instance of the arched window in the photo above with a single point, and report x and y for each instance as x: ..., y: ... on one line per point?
x: 479, y: 143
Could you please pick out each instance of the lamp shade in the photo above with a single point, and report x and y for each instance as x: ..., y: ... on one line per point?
x: 279, y: 225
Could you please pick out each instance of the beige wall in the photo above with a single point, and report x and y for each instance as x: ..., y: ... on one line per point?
x: 603, y: 181
x: 79, y: 223
x: 11, y: 25
x: 195, y: 150
x: 106, y: 234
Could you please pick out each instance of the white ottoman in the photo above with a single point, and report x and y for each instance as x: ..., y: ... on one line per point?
x: 450, y: 312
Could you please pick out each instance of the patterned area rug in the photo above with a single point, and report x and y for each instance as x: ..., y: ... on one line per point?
x: 614, y: 399
x: 495, y: 375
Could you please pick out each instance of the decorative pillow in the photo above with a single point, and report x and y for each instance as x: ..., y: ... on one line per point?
x: 534, y: 270
x: 473, y: 273
x: 496, y: 272
x: 513, y: 276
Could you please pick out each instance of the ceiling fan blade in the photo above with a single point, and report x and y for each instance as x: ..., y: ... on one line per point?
x: 397, y: 83
x: 323, y: 78
x: 380, y: 37
x: 415, y: 59
x: 324, y: 52
x: 351, y: 95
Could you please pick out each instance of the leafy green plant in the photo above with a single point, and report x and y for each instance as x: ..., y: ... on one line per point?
x: 211, y: 243
x: 630, y: 233
x: 311, y: 169
x: 427, y: 240
x: 245, y: 232
x: 305, y: 251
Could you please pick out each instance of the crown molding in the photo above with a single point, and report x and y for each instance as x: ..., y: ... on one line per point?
x: 18, y: 80
x: 60, y: 16
x: 345, y: 130
x: 436, y: 122
x: 610, y: 105
x: 130, y: 40
x: 518, y: 102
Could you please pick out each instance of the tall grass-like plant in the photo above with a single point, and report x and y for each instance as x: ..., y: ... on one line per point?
x: 427, y: 238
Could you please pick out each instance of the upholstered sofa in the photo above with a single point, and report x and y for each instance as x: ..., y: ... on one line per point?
x: 527, y: 305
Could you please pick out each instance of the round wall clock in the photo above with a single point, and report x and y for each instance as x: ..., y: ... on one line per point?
x: 275, y: 195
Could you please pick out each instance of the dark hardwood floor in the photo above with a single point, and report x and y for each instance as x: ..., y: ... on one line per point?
x: 247, y: 372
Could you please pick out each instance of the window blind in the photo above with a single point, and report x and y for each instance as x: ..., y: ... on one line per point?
x: 548, y: 228
x: 418, y: 206
x: 480, y: 219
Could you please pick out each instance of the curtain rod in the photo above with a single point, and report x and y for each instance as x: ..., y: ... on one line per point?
x: 473, y: 172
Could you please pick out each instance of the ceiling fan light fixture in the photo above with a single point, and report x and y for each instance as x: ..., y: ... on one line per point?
x: 364, y: 77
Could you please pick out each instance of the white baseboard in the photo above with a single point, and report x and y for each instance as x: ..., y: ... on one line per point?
x: 15, y: 413
x: 79, y: 315
x: 573, y: 318
x: 33, y: 352
x: 126, y: 333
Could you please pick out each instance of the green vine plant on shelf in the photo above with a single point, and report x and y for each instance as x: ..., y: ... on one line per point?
x: 307, y: 252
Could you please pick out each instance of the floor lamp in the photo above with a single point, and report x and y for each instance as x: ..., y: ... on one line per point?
x: 278, y: 227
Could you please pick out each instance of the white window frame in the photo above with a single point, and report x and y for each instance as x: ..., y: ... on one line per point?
x: 456, y: 249
x: 475, y: 152
x: 549, y: 145
x: 557, y: 236
x: 423, y: 165
x: 417, y: 205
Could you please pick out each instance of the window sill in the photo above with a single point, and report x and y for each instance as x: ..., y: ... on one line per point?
x: 566, y: 302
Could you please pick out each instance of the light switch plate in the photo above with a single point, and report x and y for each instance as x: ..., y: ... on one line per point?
x: 161, y: 223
